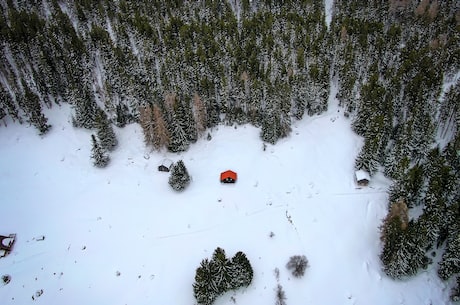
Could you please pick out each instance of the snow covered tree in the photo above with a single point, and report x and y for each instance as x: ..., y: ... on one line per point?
x: 179, y: 178
x: 205, y: 288
x: 98, y: 154
x: 30, y: 103
x: 297, y: 264
x: 105, y: 133
x: 7, y: 104
x: 450, y: 263
x: 85, y: 108
x: 241, y: 272
x: 123, y: 116
x: 222, y: 271
x: 392, y: 235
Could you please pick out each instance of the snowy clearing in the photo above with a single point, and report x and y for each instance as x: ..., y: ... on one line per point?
x: 120, y: 235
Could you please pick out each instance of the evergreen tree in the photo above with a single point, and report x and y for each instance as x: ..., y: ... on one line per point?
x: 205, y: 288
x: 123, y: 116
x: 179, y: 178
x: 7, y: 104
x: 450, y: 263
x: 98, y: 154
x: 30, y: 103
x: 86, y: 109
x: 392, y: 235
x: 178, y: 141
x: 105, y: 133
x: 241, y: 272
x: 186, y: 120
x: 222, y: 271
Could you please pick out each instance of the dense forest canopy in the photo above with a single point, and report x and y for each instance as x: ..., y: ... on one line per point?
x: 180, y: 67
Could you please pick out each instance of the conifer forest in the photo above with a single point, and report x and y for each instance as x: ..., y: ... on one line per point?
x: 179, y: 68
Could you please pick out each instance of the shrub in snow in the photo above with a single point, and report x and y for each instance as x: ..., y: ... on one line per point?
x: 276, y: 272
x: 6, y: 279
x: 179, y: 178
x: 297, y: 264
x: 220, y: 274
x: 280, y: 298
x: 98, y: 154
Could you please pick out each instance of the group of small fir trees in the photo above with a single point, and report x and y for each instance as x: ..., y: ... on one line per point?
x: 220, y: 274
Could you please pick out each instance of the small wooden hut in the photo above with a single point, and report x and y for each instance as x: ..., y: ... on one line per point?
x: 362, y: 178
x: 228, y: 177
x: 165, y: 165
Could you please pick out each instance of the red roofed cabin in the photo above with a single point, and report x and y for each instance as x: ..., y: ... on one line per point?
x: 228, y: 177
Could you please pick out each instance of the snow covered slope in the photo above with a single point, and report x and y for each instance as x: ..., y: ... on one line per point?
x: 120, y: 235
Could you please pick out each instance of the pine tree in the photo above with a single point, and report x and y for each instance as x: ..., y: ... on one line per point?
x: 123, y: 116
x: 392, y: 235
x: 186, y: 120
x: 222, y: 271
x: 178, y: 141
x: 85, y: 107
x: 30, y: 103
x: 98, y: 154
x: 450, y: 263
x: 241, y: 271
x: 205, y: 288
x: 7, y: 104
x: 179, y: 178
x: 105, y: 133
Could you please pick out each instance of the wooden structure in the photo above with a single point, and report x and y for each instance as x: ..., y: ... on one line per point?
x: 362, y: 178
x: 165, y: 165
x: 6, y: 244
x: 228, y: 177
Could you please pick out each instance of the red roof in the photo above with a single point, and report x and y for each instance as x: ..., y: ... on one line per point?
x: 228, y: 175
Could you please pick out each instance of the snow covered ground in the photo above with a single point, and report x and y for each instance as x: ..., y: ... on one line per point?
x: 120, y: 235
x: 328, y: 6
